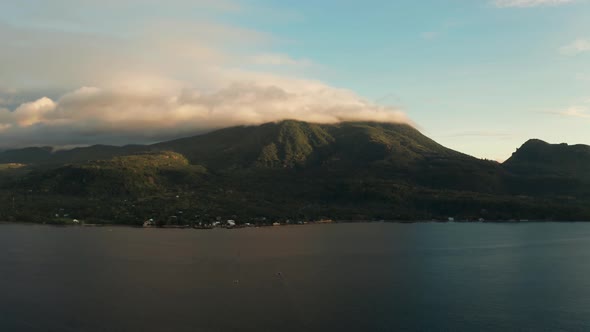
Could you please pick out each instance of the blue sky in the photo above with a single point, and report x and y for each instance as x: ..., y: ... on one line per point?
x: 479, y: 76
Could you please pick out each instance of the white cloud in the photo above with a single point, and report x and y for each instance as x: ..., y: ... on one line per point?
x: 580, y: 109
x: 33, y: 112
x: 95, y: 115
x: 155, y: 80
x: 580, y: 45
x: 529, y: 3
x: 576, y: 111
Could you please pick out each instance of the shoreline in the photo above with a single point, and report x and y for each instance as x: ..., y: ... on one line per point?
x: 188, y: 227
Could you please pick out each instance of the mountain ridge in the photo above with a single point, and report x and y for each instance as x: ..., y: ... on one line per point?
x: 350, y: 170
x: 227, y: 139
x: 545, y: 158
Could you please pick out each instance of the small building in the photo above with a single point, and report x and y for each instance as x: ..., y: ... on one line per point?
x: 328, y: 221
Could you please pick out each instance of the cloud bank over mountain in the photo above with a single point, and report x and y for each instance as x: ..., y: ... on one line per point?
x: 94, y: 115
x: 149, y: 78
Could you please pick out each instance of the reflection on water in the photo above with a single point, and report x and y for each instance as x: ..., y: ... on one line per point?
x: 346, y: 277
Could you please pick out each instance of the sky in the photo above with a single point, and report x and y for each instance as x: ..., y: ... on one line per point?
x: 478, y: 76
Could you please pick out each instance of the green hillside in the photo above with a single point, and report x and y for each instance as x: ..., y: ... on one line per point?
x: 295, y: 170
x: 287, y: 144
x: 378, y: 150
x: 543, y: 169
x: 541, y: 158
x: 134, y: 175
x: 290, y: 144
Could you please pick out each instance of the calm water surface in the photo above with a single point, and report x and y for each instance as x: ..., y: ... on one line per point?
x: 344, y: 277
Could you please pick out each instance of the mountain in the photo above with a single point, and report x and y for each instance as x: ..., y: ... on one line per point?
x: 540, y: 168
x: 286, y: 144
x: 293, y: 169
x: 299, y: 144
x: 541, y: 158
x: 349, y: 150
x: 377, y: 149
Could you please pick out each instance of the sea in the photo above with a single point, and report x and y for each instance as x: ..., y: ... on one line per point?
x: 335, y: 277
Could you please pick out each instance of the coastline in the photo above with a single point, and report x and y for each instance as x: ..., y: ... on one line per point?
x: 188, y: 227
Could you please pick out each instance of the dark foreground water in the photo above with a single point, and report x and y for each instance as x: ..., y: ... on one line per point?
x: 344, y: 277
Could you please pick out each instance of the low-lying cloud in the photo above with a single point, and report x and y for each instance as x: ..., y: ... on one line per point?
x: 529, y: 3
x: 576, y: 112
x: 578, y: 46
x: 117, y: 116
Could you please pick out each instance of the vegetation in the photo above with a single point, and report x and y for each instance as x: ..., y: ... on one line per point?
x: 293, y: 170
